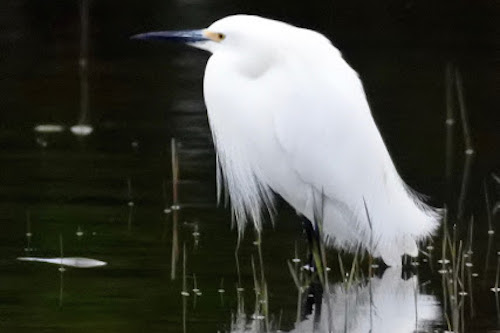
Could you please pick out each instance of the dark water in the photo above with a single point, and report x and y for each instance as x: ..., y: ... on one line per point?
x: 79, y: 189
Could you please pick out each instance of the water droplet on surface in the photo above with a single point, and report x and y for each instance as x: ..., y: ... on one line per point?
x: 48, y: 128
x: 82, y: 130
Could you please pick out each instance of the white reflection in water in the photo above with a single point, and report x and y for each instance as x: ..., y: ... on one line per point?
x: 48, y: 128
x: 389, y: 304
x: 82, y: 130
x: 71, y: 262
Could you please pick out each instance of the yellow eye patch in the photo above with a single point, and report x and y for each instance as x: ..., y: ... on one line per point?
x: 215, y: 36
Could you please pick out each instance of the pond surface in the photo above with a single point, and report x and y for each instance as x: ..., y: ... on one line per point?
x: 108, y: 196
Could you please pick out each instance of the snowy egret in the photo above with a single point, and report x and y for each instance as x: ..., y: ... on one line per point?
x: 289, y: 116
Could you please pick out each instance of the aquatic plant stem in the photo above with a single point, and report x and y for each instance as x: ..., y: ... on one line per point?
x: 175, y: 212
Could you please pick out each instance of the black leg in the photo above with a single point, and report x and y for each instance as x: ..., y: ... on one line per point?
x: 309, y: 229
x: 315, y: 290
x: 408, y: 270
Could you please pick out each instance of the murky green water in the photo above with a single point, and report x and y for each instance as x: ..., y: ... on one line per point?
x: 104, y: 195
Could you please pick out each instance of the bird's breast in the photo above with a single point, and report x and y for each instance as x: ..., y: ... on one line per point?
x: 240, y: 112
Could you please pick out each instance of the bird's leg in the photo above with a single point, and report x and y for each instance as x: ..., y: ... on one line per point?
x: 315, y: 289
x: 315, y: 253
x: 408, y: 270
x: 314, y: 297
x: 310, y: 234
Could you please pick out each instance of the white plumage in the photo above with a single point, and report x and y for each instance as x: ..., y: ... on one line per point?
x: 290, y: 116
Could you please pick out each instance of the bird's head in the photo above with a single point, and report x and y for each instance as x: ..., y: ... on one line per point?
x: 229, y: 33
x: 251, y: 44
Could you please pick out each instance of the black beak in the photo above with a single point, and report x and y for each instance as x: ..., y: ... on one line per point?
x: 182, y: 36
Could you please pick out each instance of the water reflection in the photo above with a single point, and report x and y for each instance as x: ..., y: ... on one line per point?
x: 68, y: 261
x: 48, y: 128
x: 82, y: 128
x: 381, y: 305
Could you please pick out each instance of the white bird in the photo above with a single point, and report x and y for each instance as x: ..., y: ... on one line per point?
x: 289, y: 116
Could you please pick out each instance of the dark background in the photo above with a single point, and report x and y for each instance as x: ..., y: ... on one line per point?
x: 142, y: 94
x: 400, y: 49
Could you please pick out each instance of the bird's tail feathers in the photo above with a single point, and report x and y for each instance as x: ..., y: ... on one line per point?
x: 388, y: 226
x: 406, y: 222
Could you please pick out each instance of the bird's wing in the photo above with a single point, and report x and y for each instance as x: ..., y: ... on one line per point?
x: 322, y: 121
x: 324, y: 124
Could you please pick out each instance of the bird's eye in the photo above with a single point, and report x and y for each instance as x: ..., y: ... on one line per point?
x: 221, y: 36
